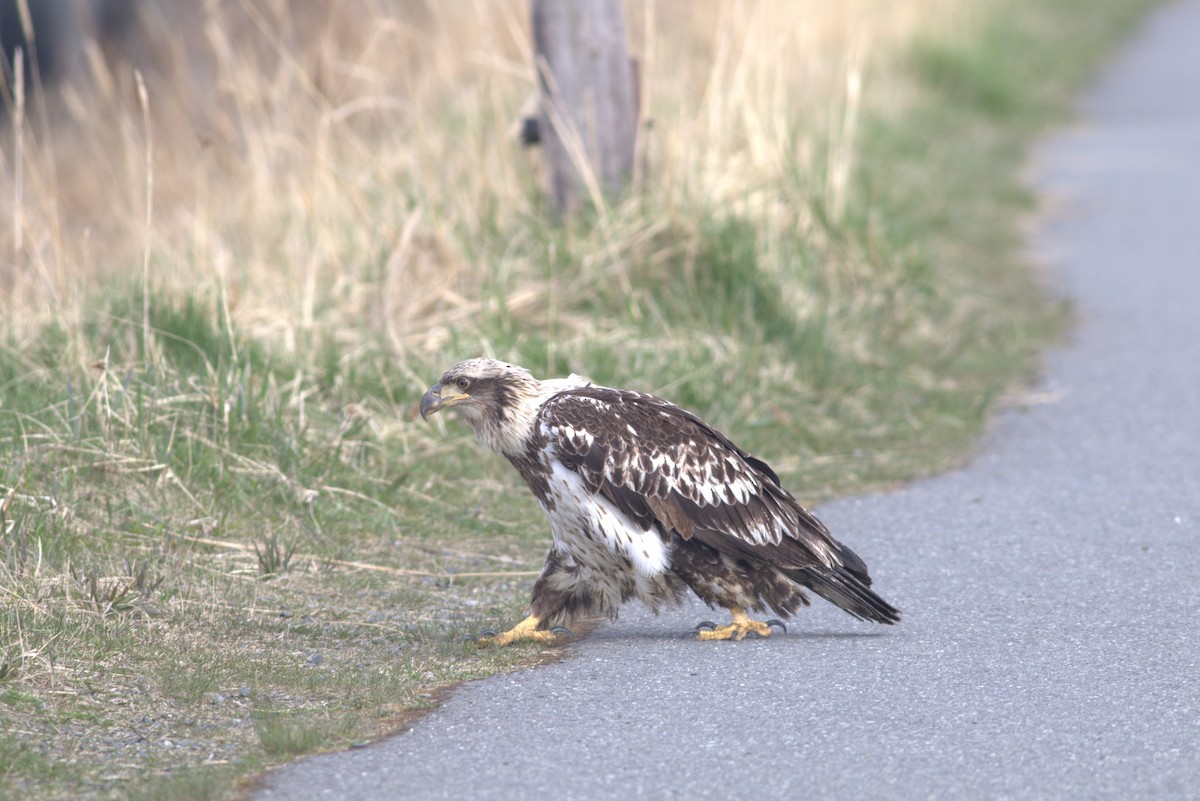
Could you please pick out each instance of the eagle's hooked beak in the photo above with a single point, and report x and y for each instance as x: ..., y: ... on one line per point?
x: 434, y: 401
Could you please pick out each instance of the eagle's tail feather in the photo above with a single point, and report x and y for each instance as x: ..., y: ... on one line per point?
x: 841, y: 588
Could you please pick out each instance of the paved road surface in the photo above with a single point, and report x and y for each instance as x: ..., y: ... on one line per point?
x: 1051, y: 643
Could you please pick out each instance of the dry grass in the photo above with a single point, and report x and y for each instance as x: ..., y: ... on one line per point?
x: 352, y: 173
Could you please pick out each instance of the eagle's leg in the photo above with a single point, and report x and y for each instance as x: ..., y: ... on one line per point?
x: 527, y: 629
x: 739, y: 628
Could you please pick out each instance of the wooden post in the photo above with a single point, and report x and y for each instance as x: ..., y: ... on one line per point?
x: 587, y: 118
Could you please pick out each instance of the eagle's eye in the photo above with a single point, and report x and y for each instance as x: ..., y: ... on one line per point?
x: 463, y: 383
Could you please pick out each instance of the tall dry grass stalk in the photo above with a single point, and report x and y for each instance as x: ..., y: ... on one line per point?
x: 331, y: 170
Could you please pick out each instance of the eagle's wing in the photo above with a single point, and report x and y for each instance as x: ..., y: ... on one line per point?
x: 662, y: 465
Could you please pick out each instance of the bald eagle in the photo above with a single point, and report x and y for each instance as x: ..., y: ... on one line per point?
x: 647, y: 501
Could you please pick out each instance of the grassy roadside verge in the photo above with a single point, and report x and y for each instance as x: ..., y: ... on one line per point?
x: 219, y: 552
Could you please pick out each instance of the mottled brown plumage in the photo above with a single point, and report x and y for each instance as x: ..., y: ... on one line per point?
x: 647, y: 501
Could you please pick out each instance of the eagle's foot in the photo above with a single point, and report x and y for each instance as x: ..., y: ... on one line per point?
x: 703, y: 625
x: 527, y: 629
x: 741, y: 626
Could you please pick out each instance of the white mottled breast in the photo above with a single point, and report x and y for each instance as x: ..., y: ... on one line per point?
x: 599, y: 536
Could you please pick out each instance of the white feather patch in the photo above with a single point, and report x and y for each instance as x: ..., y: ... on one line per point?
x: 574, y: 514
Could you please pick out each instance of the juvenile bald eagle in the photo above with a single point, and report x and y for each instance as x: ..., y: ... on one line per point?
x: 646, y: 501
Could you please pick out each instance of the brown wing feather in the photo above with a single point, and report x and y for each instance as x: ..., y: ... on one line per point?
x: 662, y: 465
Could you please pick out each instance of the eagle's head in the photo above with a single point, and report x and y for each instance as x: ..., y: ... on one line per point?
x: 499, y: 400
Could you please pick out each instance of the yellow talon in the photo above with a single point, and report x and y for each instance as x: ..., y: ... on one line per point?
x: 527, y: 629
x: 738, y: 629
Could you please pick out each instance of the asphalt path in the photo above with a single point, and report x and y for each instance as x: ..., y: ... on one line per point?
x: 1050, y: 646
